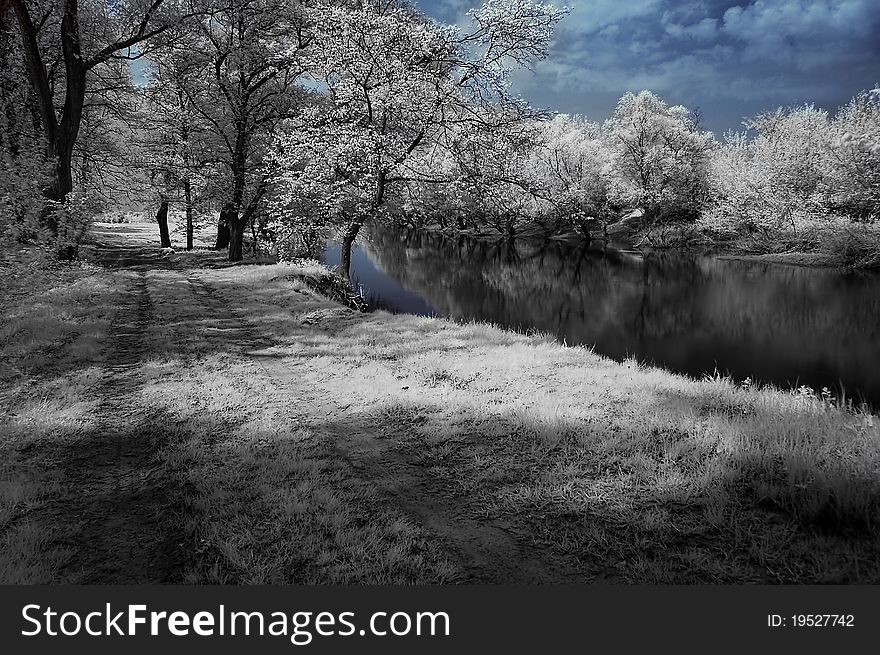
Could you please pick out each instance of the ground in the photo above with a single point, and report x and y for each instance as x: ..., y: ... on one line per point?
x: 170, y: 418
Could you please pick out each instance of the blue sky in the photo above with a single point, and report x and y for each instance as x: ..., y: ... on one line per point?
x: 730, y: 59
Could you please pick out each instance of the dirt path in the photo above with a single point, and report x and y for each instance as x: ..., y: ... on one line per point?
x: 129, y: 511
x: 111, y: 499
x: 115, y: 496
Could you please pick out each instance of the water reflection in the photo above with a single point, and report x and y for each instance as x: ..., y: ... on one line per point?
x: 781, y: 324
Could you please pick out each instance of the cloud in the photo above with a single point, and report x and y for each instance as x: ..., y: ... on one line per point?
x: 780, y: 20
x: 703, y: 30
x: 731, y: 58
x: 798, y: 30
x: 588, y: 16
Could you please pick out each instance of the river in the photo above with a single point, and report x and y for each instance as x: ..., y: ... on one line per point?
x: 786, y: 325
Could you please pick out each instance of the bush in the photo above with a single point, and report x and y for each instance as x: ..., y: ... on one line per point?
x: 22, y: 203
x: 854, y: 247
x: 74, y: 219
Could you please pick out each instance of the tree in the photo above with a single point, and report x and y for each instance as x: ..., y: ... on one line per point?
x: 243, y: 59
x: 790, y: 146
x: 853, y: 158
x: 777, y: 178
x: 397, y: 86
x: 483, y: 179
x: 23, y: 172
x: 577, y: 170
x: 175, y: 149
x: 662, y: 156
x: 740, y: 190
x: 61, y: 65
x: 497, y: 182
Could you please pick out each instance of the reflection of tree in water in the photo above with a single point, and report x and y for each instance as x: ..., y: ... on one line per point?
x: 553, y: 286
x: 689, y: 313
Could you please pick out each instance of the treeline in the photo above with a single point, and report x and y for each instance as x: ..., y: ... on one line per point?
x: 794, y: 179
x: 284, y: 120
x: 283, y: 117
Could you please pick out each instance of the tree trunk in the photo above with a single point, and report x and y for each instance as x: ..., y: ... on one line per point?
x: 187, y: 195
x: 236, y: 237
x: 60, y: 136
x: 223, y: 229
x: 162, y: 220
x: 355, y: 227
x: 347, y: 243
x: 74, y: 100
x: 234, y: 207
x: 585, y: 230
x: 38, y: 77
x: 511, y: 232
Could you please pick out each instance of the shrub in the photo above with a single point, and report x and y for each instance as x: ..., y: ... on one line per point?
x: 74, y: 218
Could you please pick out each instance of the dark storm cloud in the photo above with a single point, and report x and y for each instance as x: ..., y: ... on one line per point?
x: 729, y: 59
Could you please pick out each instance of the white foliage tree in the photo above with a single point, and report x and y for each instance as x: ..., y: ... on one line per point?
x: 662, y: 156
x: 577, y: 167
x: 398, y: 86
x: 853, y: 158
x: 790, y: 147
x: 776, y: 180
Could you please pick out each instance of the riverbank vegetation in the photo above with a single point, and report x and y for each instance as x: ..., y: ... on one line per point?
x: 795, y: 180
x: 283, y: 122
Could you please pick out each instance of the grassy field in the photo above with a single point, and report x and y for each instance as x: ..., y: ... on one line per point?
x: 168, y: 418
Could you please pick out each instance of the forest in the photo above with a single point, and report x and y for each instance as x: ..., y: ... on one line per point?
x: 285, y: 122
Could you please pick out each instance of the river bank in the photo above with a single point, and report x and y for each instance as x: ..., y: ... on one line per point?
x: 821, y: 244
x: 268, y: 435
x: 785, y: 325
x: 831, y: 244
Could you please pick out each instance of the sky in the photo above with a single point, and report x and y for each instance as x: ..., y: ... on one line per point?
x: 729, y: 59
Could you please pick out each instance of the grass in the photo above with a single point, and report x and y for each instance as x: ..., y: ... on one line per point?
x: 51, y: 354
x: 265, y: 502
x: 813, y: 241
x: 689, y: 480
x: 297, y: 440
x: 832, y: 242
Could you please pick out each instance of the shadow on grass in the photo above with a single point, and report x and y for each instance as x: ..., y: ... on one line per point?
x: 98, y: 512
x: 205, y: 501
x: 602, y: 505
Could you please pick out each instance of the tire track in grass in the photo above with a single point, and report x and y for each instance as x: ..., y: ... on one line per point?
x: 367, y: 457
x: 489, y: 551
x: 114, y: 488
x: 486, y: 552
